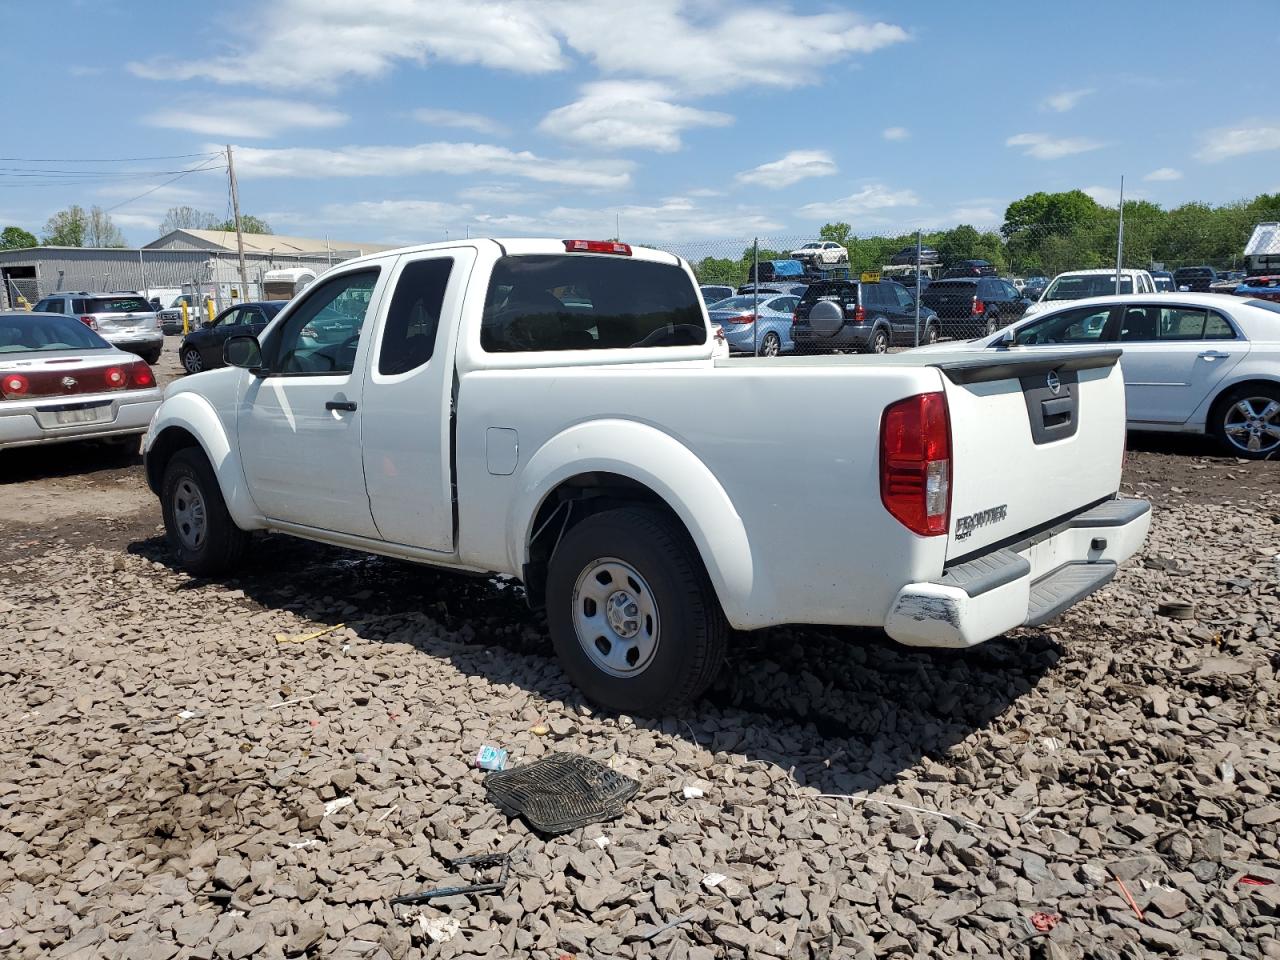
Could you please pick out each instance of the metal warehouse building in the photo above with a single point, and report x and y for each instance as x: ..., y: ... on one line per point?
x: 193, y: 261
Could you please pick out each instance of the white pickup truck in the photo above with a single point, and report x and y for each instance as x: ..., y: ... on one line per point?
x: 556, y: 411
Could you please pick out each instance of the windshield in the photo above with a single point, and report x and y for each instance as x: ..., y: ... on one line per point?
x: 118, y: 305
x: 37, y: 332
x: 577, y: 302
x: 1090, y: 285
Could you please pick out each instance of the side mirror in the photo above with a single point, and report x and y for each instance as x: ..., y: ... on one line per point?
x: 244, y: 352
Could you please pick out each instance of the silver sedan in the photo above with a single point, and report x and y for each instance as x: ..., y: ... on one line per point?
x: 60, y: 381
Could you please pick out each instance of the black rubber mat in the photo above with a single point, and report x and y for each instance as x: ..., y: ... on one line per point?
x: 561, y: 792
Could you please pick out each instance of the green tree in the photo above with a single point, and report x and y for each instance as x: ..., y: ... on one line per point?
x: 837, y: 232
x: 101, y: 231
x: 248, y: 224
x: 15, y: 238
x: 67, y: 228
x: 1049, y: 211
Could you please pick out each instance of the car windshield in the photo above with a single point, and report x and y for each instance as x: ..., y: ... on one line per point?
x: 1090, y: 285
x: 38, y: 332
x: 118, y: 305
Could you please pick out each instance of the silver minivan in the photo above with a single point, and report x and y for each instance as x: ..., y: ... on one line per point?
x: 124, y: 319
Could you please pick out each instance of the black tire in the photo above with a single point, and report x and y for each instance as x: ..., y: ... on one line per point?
x: 691, y: 629
x: 151, y: 356
x: 1225, y: 413
x: 771, y: 345
x: 879, y: 342
x: 931, y: 333
x: 192, y: 360
x: 223, y: 544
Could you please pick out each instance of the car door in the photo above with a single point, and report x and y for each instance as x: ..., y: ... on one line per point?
x: 1017, y: 304
x: 904, y: 330
x: 209, y: 340
x: 407, y: 402
x: 1173, y: 358
x: 299, y: 419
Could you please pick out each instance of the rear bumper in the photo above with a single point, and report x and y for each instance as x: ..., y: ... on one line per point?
x: 856, y: 336
x: 24, y: 424
x: 1024, y: 584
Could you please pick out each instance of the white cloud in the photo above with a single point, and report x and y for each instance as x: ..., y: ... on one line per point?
x: 976, y: 216
x: 507, y: 193
x: 875, y: 196
x: 1164, y: 173
x: 669, y: 222
x: 456, y: 118
x: 1044, y: 147
x: 459, y: 159
x: 1227, y: 142
x: 618, y: 115
x: 218, y: 117
x: 424, y: 218
x: 795, y: 166
x: 896, y: 133
x: 704, y: 192
x: 1064, y: 101
x: 310, y: 44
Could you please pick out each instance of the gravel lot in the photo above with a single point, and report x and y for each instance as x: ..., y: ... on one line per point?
x: 166, y: 765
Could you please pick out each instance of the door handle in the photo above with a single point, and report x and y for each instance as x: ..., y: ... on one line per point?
x: 1213, y: 355
x: 340, y: 405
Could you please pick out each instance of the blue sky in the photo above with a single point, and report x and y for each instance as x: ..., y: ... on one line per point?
x: 404, y: 120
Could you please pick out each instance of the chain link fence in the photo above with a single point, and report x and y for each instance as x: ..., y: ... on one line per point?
x: 874, y: 292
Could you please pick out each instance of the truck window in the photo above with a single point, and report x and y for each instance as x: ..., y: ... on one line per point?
x: 409, y: 339
x: 321, y: 336
x: 584, y: 302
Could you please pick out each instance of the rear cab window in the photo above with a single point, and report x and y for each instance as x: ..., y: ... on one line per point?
x: 574, y: 301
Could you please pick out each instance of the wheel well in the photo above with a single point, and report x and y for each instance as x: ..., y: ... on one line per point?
x: 569, y: 504
x: 1215, y: 408
x: 161, y: 451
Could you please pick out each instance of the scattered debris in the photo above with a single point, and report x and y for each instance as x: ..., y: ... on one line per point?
x: 1129, y: 898
x: 333, y: 806
x: 304, y: 844
x: 1044, y: 922
x: 540, y: 729
x: 1251, y: 881
x: 1177, y: 610
x: 304, y: 637
x: 479, y: 862
x: 561, y: 792
x: 601, y: 841
x: 951, y: 818
x: 491, y: 758
x: 648, y: 933
x: 437, y: 929
x: 692, y: 793
x: 713, y: 880
x: 289, y: 703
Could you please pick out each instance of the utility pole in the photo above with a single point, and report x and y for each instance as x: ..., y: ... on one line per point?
x: 1120, y: 239
x: 235, y: 209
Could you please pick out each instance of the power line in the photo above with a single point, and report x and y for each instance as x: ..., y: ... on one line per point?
x: 172, y: 156
x: 209, y: 165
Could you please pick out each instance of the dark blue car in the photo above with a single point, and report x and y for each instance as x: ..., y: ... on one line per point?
x: 201, y: 349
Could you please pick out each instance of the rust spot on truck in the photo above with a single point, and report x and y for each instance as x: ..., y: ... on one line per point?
x: 929, y: 608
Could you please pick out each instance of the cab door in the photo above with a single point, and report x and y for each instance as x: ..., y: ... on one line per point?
x: 408, y: 399
x: 299, y: 423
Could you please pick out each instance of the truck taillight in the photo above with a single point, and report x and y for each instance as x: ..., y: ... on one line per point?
x: 979, y: 308
x: 597, y: 246
x: 13, y: 385
x: 89, y: 321
x: 915, y: 463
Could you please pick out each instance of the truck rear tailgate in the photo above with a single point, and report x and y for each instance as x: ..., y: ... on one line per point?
x: 1035, y: 436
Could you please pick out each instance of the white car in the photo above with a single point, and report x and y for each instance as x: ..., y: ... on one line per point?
x: 821, y: 253
x: 1078, y: 284
x: 60, y: 381
x: 1193, y: 362
x: 553, y: 410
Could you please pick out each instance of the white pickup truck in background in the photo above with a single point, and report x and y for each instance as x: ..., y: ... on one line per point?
x: 553, y: 410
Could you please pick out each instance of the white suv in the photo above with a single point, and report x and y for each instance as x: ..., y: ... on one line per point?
x: 1078, y: 284
x: 124, y: 319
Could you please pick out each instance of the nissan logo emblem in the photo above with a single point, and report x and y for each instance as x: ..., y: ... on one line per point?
x: 1054, y: 384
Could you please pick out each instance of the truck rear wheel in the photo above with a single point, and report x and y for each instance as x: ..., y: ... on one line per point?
x: 634, y: 619
x: 201, y: 532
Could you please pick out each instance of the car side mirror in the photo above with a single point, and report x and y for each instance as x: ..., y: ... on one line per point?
x: 244, y: 352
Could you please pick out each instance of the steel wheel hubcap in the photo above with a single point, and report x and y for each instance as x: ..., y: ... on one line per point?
x: 881, y: 344
x: 193, y: 363
x: 1254, y: 424
x: 189, y: 514
x: 615, y: 617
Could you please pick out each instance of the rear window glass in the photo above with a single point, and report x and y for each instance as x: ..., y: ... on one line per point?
x: 828, y: 291
x: 952, y: 286
x: 29, y: 332
x: 118, y: 305
x: 584, y: 302
x: 1091, y: 285
x: 1265, y: 305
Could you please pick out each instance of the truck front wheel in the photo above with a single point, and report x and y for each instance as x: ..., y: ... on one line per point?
x: 201, y: 532
x: 634, y: 619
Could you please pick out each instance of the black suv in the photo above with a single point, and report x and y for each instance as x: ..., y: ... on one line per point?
x: 1195, y: 279
x: 872, y: 316
x: 972, y: 306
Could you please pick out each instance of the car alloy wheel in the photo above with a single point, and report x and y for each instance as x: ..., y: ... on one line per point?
x: 1252, y: 424
x: 192, y: 362
x: 771, y: 345
x: 880, y: 342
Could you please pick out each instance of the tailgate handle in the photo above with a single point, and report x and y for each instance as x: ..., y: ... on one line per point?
x: 1057, y: 412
